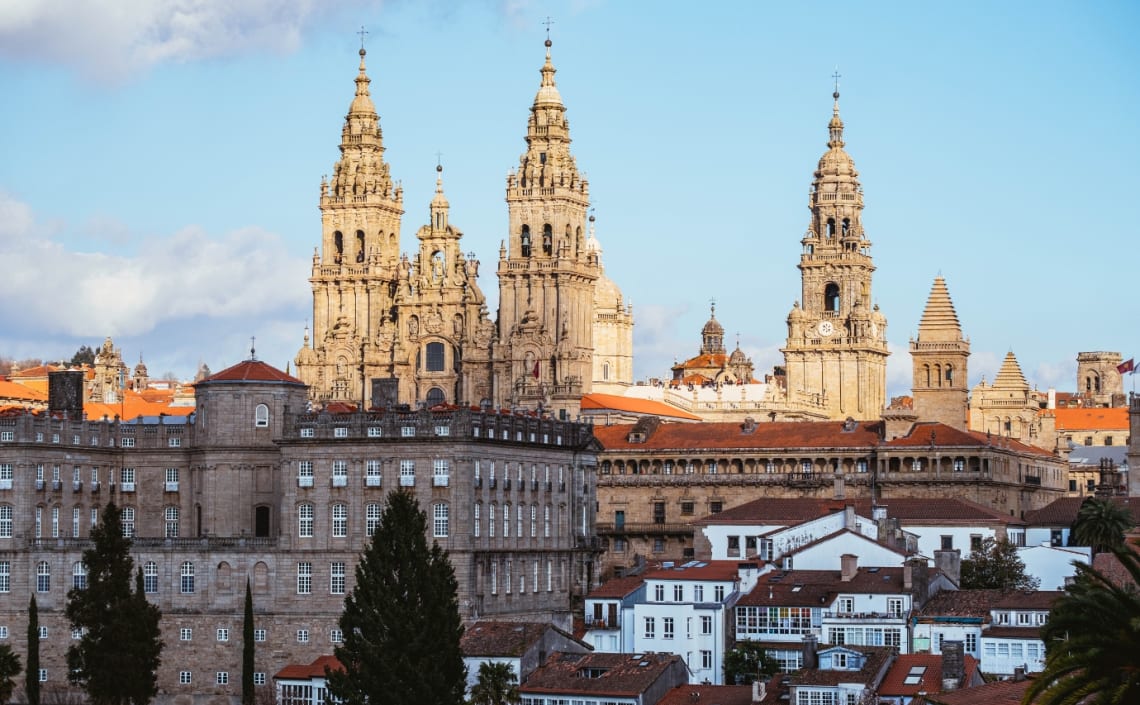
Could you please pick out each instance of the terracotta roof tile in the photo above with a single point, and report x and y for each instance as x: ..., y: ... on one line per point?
x: 877, y: 656
x: 894, y: 683
x: 961, y: 603
x: 491, y: 638
x: 912, y: 510
x: 617, y: 588
x: 15, y: 390
x: 251, y: 371
x: 1027, y: 600
x: 996, y: 693
x: 636, y: 406
x: 703, y: 570
x: 699, y: 694
x: 812, y: 588
x: 1091, y: 419
x: 779, y: 434
x: 316, y: 669
x: 620, y: 675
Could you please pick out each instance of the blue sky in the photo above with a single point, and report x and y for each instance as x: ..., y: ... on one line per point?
x: 160, y: 162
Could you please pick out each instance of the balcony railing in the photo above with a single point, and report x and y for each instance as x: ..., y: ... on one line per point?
x: 862, y: 615
x: 172, y: 485
x: 340, y: 481
x: 439, y: 481
x: 646, y: 528
x: 372, y: 481
x: 305, y: 481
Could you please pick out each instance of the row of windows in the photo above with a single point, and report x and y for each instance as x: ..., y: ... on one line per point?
x: 306, y: 519
x: 660, y: 591
x: 521, y: 513
x: 173, y: 440
x: 220, y: 678
x: 493, y: 574
x: 126, y: 476
x: 222, y: 634
x: 406, y: 431
x: 441, y: 472
x: 650, y: 624
x: 170, y: 516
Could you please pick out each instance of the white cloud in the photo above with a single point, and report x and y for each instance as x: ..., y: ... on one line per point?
x: 112, y: 39
x: 52, y: 291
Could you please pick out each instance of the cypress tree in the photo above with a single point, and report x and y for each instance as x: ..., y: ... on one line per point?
x: 32, y: 676
x: 247, y: 649
x: 401, y: 622
x: 117, y: 656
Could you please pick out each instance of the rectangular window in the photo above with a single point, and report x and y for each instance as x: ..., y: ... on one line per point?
x: 259, y: 635
x: 340, y: 432
x: 3, y: 632
x: 43, y: 675
x: 185, y: 634
x: 305, y: 519
x: 667, y: 627
x: 340, y: 473
x: 259, y: 677
x: 895, y: 606
x: 686, y: 508
x: 659, y: 593
x: 304, y: 578
x: 407, y: 431
x: 5, y: 576
x: 372, y: 473
x: 972, y: 644
x: 222, y: 678
x: 307, y: 433
x: 305, y: 473
x: 373, y: 431
x: 184, y: 677
x: 371, y: 518
x: 440, y: 520
x: 650, y: 628
x: 706, y: 624
x: 5, y: 521
x: 678, y: 593
x: 716, y: 507
x: 339, y: 520
x: 223, y: 635
x: 718, y: 593
x: 706, y: 659
x: 440, y: 473
x: 698, y: 593
x: 187, y: 576
x: 127, y: 442
x: 43, y: 632
x: 336, y: 578
x: 302, y: 636
x: 336, y: 636
x: 75, y: 522
x: 174, y: 442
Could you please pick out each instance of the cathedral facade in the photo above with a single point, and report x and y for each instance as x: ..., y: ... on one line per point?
x: 391, y: 329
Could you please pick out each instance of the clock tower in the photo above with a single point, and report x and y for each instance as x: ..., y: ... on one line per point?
x: 836, y: 354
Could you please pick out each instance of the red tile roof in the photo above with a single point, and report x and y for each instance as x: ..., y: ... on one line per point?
x: 703, y: 570
x: 1027, y: 600
x: 616, y: 588
x: 912, y: 510
x: 996, y: 693
x: 617, y: 675
x: 1091, y: 419
x: 316, y: 669
x: 1063, y: 511
x: 633, y: 405
x: 812, y: 588
x: 251, y: 371
x: 877, y: 656
x: 490, y: 638
x: 975, y: 604
x: 931, y: 681
x: 708, y: 695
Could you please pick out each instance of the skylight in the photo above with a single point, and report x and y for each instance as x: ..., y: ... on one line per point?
x: 914, y: 677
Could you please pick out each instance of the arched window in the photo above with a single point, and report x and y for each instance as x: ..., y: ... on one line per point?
x: 359, y: 245
x: 261, y: 416
x: 926, y: 370
x: 831, y: 297
x: 43, y: 577
x: 338, y: 244
x: 435, y: 396
x: 170, y: 517
x: 949, y: 375
x: 440, y: 523
x: 846, y: 227
x: 187, y: 578
x: 524, y: 241
x: 830, y: 231
x: 605, y: 371
x: 435, y: 357
x: 547, y: 239
x: 222, y: 577
x: 150, y: 577
x: 79, y: 576
x: 305, y: 520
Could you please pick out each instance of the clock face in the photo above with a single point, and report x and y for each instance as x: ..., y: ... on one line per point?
x: 826, y: 328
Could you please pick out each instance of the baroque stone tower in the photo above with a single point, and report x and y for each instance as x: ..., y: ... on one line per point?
x: 836, y: 354
x: 547, y: 275
x: 388, y: 329
x: 938, y: 358
x: 1099, y: 382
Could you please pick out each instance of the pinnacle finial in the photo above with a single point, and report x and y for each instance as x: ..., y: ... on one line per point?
x: 836, y: 76
x: 252, y: 348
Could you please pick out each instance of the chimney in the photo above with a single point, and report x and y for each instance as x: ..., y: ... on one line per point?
x: 849, y: 565
x: 1018, y: 674
x: 919, y: 579
x: 949, y: 563
x: 953, y: 665
x: 908, y: 579
x: 759, y: 690
x: 849, y: 517
x: 809, y: 648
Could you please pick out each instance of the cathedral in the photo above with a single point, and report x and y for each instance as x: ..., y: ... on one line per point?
x: 393, y: 329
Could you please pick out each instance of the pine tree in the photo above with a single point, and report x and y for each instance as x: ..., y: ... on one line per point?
x: 117, y: 657
x: 401, y: 623
x: 32, y: 677
x: 247, y: 647
x: 996, y: 566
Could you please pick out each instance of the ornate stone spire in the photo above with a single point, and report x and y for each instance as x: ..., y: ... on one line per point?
x: 362, y: 101
x: 1010, y: 375
x: 939, y: 320
x: 548, y: 92
x: 439, y: 204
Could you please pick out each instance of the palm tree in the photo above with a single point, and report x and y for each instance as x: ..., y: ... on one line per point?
x: 9, y: 669
x: 1101, y: 524
x: 497, y: 684
x: 1093, y: 640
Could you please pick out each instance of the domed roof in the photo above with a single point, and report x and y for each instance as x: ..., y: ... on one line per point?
x: 737, y: 356
x: 607, y: 295
x: 362, y: 101
x: 713, y: 327
x: 548, y: 92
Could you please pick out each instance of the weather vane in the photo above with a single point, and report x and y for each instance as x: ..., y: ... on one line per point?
x: 548, y: 22
x: 837, y: 76
x: 362, y: 32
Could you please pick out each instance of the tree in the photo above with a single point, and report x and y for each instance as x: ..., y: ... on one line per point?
x: 85, y: 355
x: 746, y: 662
x: 9, y: 669
x: 497, y: 684
x: 247, y: 649
x: 1092, y: 640
x: 1101, y: 524
x: 117, y: 656
x: 32, y: 676
x: 401, y: 622
x: 996, y: 565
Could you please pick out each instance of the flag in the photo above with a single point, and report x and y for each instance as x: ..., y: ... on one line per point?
x: 1128, y: 365
x: 535, y: 373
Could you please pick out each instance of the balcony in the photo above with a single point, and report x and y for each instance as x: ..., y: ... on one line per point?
x: 478, y: 483
x: 601, y: 624
x: 491, y: 483
x: 407, y: 480
x: 77, y: 486
x: 439, y: 481
x: 39, y: 484
x: 506, y: 484
x: 644, y: 529
x: 339, y: 481
x: 372, y: 481
x: 56, y: 485
x: 866, y: 616
x: 127, y: 487
x: 6, y: 484
x: 172, y: 485
x: 305, y: 481
x: 94, y: 486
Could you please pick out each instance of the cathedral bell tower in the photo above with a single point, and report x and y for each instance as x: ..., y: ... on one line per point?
x: 547, y: 275
x: 354, y: 274
x: 938, y: 357
x: 836, y: 354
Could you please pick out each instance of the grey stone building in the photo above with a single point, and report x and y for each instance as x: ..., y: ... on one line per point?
x: 254, y: 486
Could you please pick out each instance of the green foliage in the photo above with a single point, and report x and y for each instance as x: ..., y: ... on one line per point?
x: 1092, y: 641
x: 9, y: 669
x: 996, y: 566
x: 247, y: 647
x: 746, y: 662
x: 116, y: 659
x: 84, y: 355
x: 497, y: 684
x: 401, y: 623
x: 1101, y: 524
x: 32, y: 676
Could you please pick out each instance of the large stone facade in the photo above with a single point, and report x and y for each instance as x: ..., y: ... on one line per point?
x: 390, y: 330
x: 836, y: 352
x: 254, y: 486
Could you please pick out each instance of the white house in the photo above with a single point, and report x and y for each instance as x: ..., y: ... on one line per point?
x: 1053, y: 565
x: 520, y: 645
